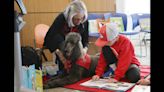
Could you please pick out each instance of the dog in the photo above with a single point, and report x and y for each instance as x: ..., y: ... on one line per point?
x: 82, y: 65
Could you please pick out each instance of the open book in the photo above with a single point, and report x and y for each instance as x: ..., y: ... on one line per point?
x: 141, y: 88
x: 104, y: 84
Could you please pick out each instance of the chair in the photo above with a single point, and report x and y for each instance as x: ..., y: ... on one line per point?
x: 93, y: 16
x: 40, y: 33
x: 125, y: 23
x: 136, y: 23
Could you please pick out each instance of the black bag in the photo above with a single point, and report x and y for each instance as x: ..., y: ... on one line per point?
x: 30, y: 56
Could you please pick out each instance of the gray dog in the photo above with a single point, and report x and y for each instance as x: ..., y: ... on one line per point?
x: 72, y: 51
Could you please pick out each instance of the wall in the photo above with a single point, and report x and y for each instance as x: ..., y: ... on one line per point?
x: 132, y: 6
x: 100, y: 6
x: 45, y: 11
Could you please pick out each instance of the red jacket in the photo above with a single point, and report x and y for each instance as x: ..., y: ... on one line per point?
x: 80, y: 62
x: 126, y: 56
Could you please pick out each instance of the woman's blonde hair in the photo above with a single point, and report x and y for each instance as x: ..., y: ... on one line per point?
x: 76, y: 6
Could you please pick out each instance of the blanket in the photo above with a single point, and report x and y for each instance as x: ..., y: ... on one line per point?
x: 145, y: 71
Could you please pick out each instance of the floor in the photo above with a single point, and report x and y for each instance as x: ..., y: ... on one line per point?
x: 140, y: 52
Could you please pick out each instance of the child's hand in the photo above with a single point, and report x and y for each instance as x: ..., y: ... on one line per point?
x: 112, y: 80
x: 95, y: 77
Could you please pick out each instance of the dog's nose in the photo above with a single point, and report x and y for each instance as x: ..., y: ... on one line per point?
x: 65, y: 51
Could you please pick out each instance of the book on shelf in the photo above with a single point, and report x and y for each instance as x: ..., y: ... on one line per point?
x: 104, y: 84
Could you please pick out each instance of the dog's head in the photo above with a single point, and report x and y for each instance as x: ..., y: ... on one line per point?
x: 73, y: 46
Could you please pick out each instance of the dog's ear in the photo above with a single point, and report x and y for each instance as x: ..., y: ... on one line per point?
x: 81, y: 49
x: 76, y: 53
x: 79, y: 36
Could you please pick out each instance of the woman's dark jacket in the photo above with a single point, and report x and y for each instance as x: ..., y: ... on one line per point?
x: 58, y: 30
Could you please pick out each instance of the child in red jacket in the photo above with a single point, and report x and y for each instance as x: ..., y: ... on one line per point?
x: 116, y: 50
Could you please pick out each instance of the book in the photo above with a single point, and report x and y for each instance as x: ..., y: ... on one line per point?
x: 104, y: 84
x: 28, y: 76
x: 25, y: 89
x: 39, y: 82
x: 141, y: 88
x: 119, y: 22
x: 32, y: 78
x: 25, y: 76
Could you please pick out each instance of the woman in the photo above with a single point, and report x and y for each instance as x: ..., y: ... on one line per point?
x: 73, y: 19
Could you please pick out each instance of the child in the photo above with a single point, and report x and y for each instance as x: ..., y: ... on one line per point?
x: 116, y: 49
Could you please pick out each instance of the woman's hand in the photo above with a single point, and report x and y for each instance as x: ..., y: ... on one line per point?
x: 95, y: 77
x: 61, y: 56
x: 85, y: 50
x: 143, y: 82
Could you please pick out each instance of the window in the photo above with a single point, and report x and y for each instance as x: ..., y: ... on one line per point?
x: 133, y: 6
